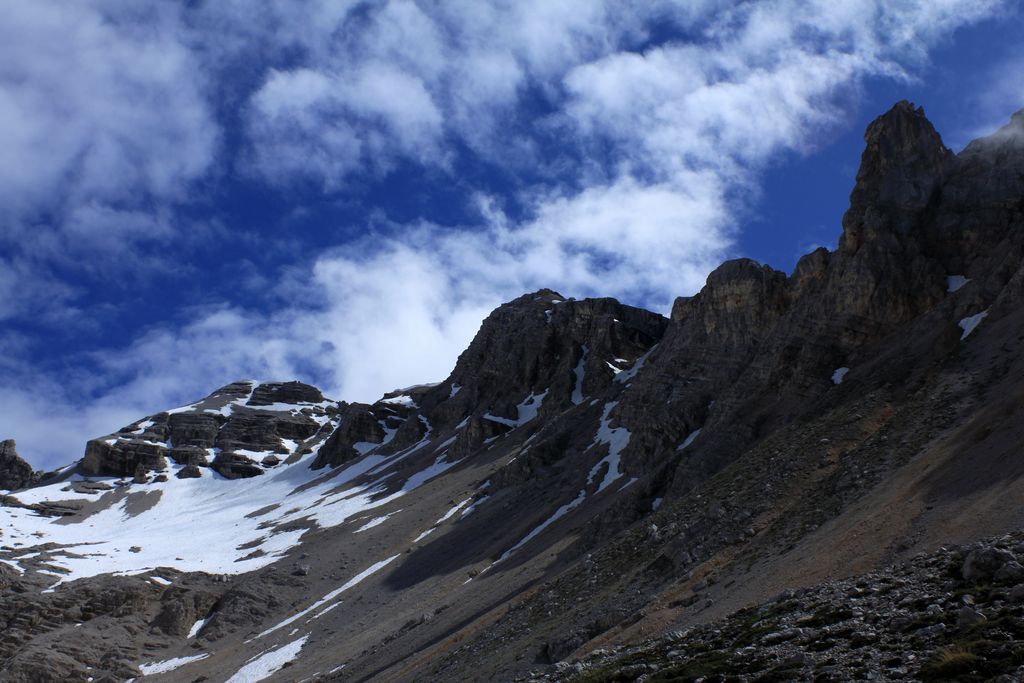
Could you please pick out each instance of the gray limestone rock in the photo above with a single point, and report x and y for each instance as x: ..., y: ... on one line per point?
x: 15, y: 473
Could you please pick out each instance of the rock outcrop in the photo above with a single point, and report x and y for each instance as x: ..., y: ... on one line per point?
x: 231, y: 431
x: 15, y: 473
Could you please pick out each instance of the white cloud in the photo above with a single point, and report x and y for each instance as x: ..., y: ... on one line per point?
x: 97, y: 108
x: 648, y: 153
x: 105, y: 122
x: 305, y: 123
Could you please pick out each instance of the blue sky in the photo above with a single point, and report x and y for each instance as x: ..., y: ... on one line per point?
x: 194, y: 193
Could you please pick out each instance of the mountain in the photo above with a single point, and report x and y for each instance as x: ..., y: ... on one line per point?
x: 595, y: 492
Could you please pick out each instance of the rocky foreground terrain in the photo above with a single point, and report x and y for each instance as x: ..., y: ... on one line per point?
x: 813, y: 476
x: 955, y: 614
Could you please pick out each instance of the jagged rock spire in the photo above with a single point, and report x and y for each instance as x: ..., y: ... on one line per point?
x: 903, y: 163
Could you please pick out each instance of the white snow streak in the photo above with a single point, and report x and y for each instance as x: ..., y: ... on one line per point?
x: 169, y: 664
x: 372, y: 569
x: 689, y: 439
x: 268, y: 664
x: 402, y: 400
x: 627, y: 375
x: 376, y: 521
x: 196, y: 628
x: 617, y: 439
x: 577, y: 392
x: 452, y: 512
x: 525, y: 411
x: 559, y: 513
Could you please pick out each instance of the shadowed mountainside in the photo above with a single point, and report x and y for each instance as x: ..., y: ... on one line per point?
x: 589, y: 475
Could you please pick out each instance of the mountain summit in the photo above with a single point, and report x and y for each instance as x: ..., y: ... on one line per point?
x: 803, y: 475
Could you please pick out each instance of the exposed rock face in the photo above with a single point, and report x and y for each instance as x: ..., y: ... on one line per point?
x: 286, y: 392
x: 359, y: 425
x: 216, y: 432
x: 901, y: 170
x: 15, y: 473
x: 535, y: 356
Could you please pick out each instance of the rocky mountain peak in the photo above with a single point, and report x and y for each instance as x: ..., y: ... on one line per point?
x: 15, y: 473
x: 901, y: 140
x: 543, y: 342
x: 903, y: 164
x: 533, y: 357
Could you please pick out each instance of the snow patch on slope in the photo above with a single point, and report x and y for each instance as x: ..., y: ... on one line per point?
x: 955, y: 282
x: 402, y: 400
x: 196, y: 628
x: 577, y: 392
x: 969, y: 323
x: 629, y: 374
x: 169, y: 664
x: 558, y: 514
x: 176, y: 531
x: 690, y: 438
x: 266, y: 665
x: 355, y: 580
x: 525, y: 411
x: 616, y: 439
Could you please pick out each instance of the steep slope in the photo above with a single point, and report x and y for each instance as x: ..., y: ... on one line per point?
x: 589, y: 474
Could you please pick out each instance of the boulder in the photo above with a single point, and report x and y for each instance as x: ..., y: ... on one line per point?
x: 234, y: 466
x: 982, y: 564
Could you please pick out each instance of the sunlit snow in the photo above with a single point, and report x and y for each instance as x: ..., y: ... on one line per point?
x: 169, y: 664
x: 316, y: 606
x: 525, y: 411
x: 175, y: 531
x: 196, y: 628
x: 402, y: 400
x: 268, y: 664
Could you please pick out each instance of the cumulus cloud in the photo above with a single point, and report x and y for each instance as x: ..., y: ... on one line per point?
x: 307, y: 124
x: 641, y: 151
x: 97, y: 105
x: 105, y: 121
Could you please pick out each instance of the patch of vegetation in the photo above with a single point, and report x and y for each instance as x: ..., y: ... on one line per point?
x: 950, y: 663
x: 970, y: 661
x: 748, y: 628
x: 713, y: 666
